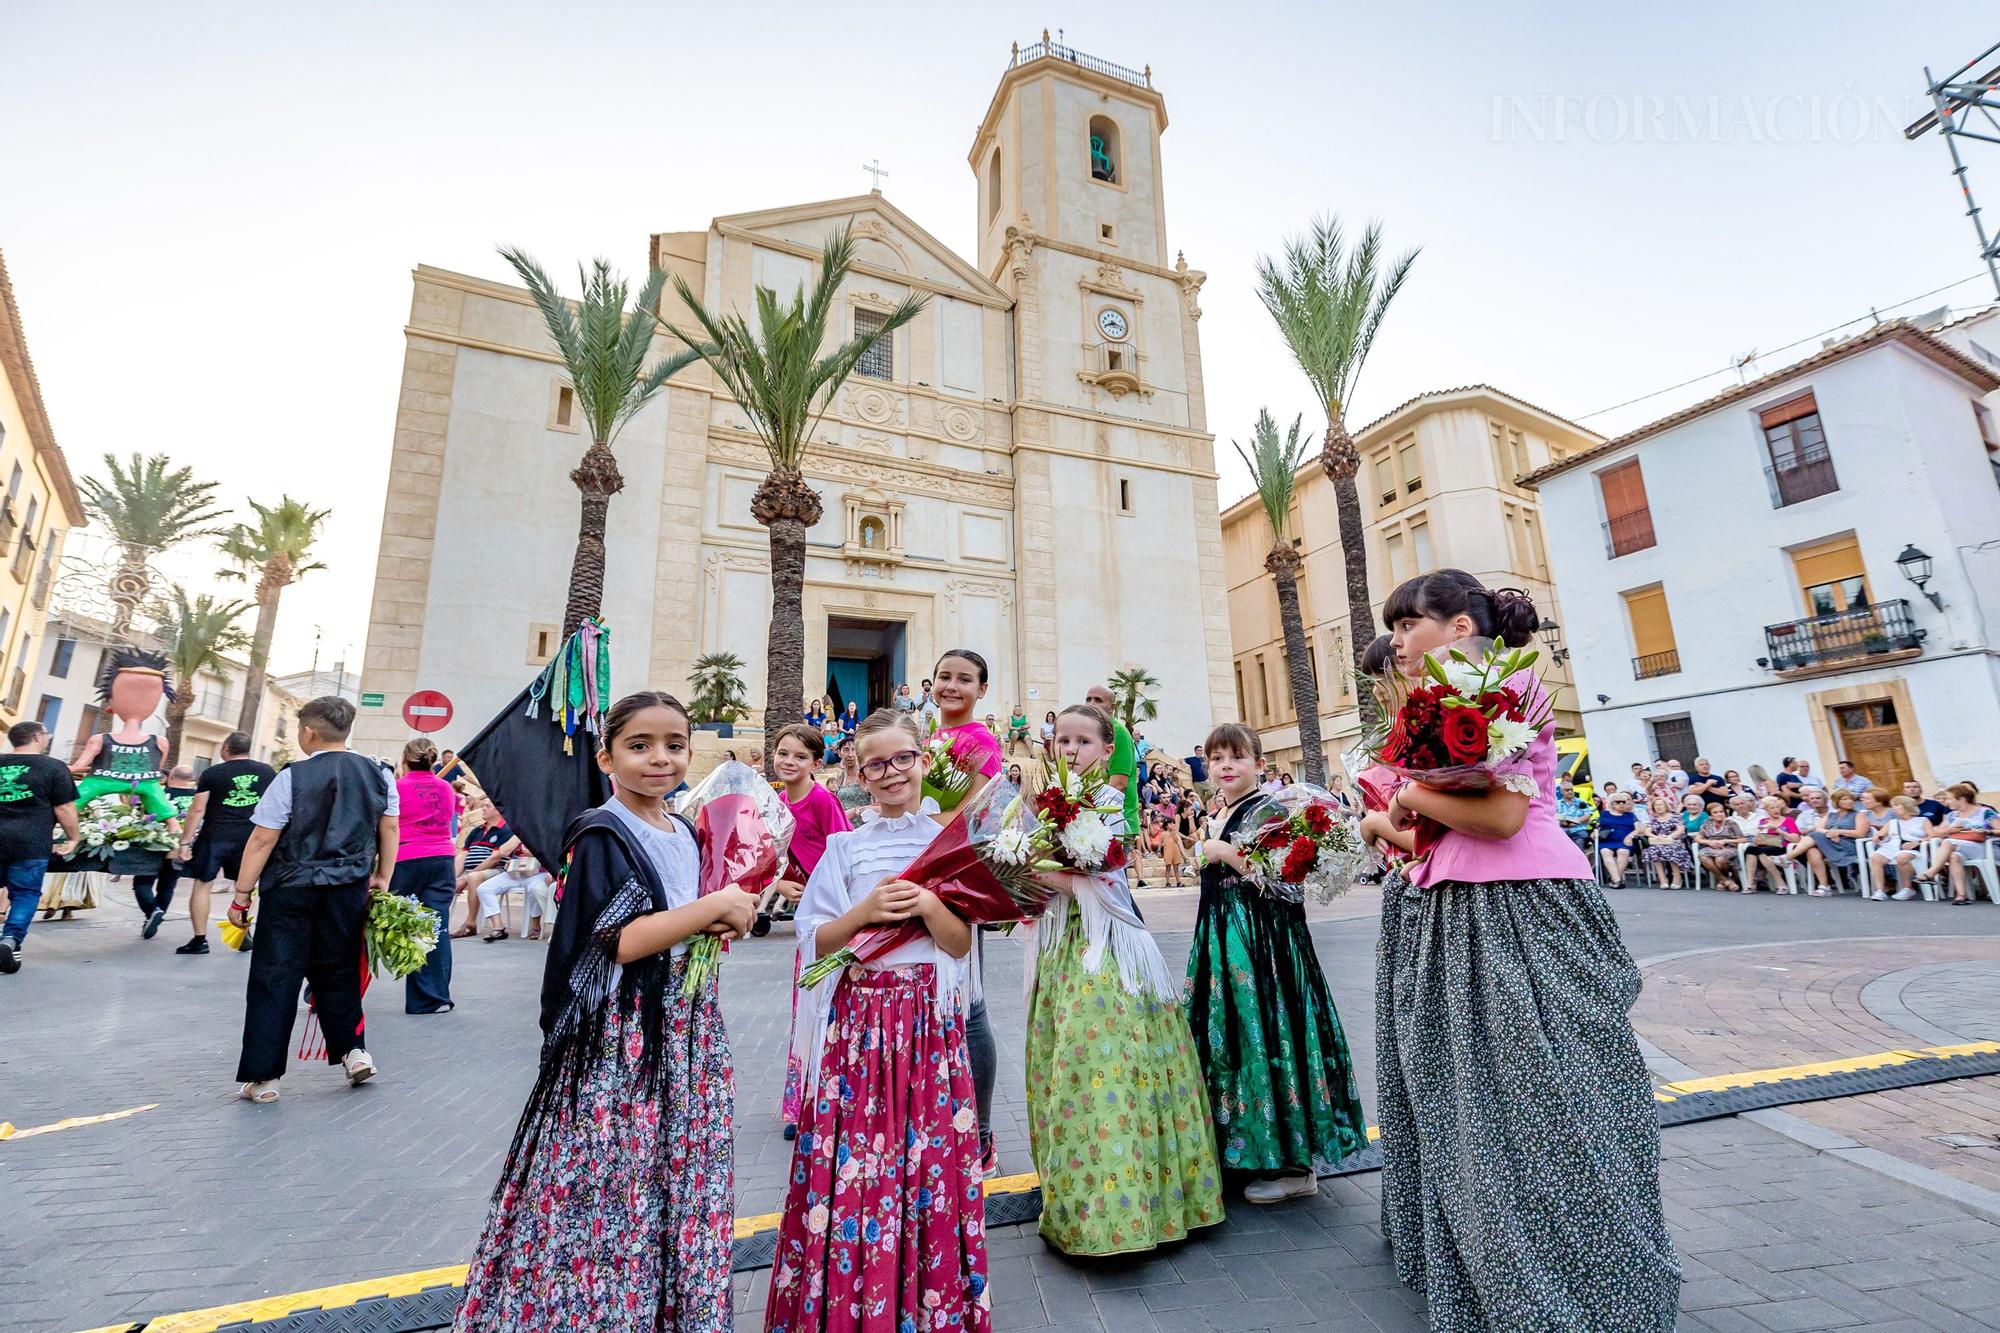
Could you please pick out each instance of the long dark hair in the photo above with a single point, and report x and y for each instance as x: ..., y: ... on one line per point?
x: 1506, y: 614
x: 621, y: 713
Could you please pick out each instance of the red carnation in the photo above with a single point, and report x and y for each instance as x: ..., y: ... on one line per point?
x: 1318, y: 820
x: 1464, y: 735
x: 1302, y: 857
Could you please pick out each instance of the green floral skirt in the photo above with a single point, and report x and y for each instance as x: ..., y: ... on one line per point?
x: 1117, y: 1119
x: 1280, y: 1078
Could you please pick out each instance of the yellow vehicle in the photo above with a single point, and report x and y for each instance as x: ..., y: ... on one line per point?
x: 1573, y: 762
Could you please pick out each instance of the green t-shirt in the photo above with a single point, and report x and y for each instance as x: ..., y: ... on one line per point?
x: 1125, y: 759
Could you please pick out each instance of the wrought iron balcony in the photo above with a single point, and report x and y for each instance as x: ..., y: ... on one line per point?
x: 1657, y: 664
x: 1045, y: 48
x: 1844, y: 639
x: 1628, y: 533
x: 1806, y: 474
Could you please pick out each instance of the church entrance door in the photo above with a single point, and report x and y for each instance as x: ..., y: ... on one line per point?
x: 864, y: 661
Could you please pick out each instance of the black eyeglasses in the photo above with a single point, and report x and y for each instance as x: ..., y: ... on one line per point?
x: 877, y: 769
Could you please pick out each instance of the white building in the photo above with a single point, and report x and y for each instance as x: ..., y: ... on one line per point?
x: 1737, y: 580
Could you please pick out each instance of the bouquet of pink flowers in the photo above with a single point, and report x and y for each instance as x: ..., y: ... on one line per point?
x: 744, y: 829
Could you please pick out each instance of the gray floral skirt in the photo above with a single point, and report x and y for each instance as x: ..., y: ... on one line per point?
x: 1521, y: 1147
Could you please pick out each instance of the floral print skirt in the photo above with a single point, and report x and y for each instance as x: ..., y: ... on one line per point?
x: 1534, y: 1194
x: 619, y: 1211
x: 884, y: 1228
x: 1279, y: 1074
x: 1117, y: 1114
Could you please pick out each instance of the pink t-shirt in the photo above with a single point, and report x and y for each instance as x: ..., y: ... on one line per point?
x: 816, y: 817
x: 429, y: 804
x: 1541, y: 850
x: 972, y: 738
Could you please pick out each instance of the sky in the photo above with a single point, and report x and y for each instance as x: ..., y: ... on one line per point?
x: 210, y: 212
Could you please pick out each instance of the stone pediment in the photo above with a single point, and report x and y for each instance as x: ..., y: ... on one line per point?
x: 890, y: 243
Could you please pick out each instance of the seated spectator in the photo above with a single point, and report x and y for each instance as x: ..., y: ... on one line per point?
x: 1014, y: 775
x: 992, y: 726
x: 1017, y: 730
x: 1732, y: 786
x: 1899, y: 841
x: 850, y: 718
x: 1968, y: 830
x: 1849, y: 780
x: 1614, y: 837
x: 1694, y: 813
x: 1706, y: 783
x: 1666, y: 839
x: 497, y: 878
x: 1761, y: 784
x: 1930, y: 807
x: 1772, y: 833
x: 1809, y: 816
x: 482, y: 835
x: 1716, y: 844
x: 905, y: 701
x: 816, y: 714
x: 1806, y: 778
x: 1678, y: 777
x: 1574, y: 815
x: 1837, y: 840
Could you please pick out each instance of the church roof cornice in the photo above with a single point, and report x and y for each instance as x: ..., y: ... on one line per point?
x: 1048, y: 61
x: 755, y: 226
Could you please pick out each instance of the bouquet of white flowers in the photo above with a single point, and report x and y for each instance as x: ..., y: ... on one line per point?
x: 112, y: 824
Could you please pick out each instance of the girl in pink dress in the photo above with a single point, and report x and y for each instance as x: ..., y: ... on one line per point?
x: 816, y: 816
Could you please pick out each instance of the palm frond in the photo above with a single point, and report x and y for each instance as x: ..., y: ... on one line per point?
x: 149, y: 503
x: 1328, y: 302
x: 1274, y: 466
x: 199, y: 631
x: 283, y: 533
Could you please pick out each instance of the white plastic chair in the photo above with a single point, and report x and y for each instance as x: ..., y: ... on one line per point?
x: 1976, y: 856
x: 1792, y: 868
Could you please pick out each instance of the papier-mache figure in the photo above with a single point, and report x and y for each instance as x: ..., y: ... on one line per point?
x: 128, y: 761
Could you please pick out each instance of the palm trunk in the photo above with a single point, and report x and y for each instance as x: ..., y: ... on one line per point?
x: 1341, y: 462
x: 269, y: 589
x: 1283, y: 562
x: 177, y: 712
x: 128, y: 589
x: 598, y: 478
x: 786, y: 506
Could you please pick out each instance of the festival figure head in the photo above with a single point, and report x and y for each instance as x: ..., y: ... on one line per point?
x: 131, y: 683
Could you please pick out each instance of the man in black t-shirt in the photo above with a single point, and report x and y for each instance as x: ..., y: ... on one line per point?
x: 155, y: 892
x: 36, y: 793
x: 215, y: 829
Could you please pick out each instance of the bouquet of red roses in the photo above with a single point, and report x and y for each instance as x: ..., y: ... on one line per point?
x: 1467, y: 717
x: 963, y: 867
x: 744, y: 829
x: 1300, y: 842
x: 1076, y: 822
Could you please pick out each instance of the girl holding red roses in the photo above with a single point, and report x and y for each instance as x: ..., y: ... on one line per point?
x: 1538, y: 1203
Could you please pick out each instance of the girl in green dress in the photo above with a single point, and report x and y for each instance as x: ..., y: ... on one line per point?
x: 1117, y: 1115
x: 1280, y: 1078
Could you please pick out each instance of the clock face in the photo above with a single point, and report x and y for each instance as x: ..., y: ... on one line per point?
x: 1112, y: 324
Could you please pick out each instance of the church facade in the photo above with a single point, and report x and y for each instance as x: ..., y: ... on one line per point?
x: 1025, y: 469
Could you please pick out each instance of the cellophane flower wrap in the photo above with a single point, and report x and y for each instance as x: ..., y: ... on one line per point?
x: 1075, y: 822
x: 1466, y: 717
x: 950, y: 769
x: 1300, y: 844
x: 399, y: 934
x: 744, y: 830
x: 966, y: 868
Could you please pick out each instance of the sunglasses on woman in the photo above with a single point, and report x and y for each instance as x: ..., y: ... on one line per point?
x: 877, y: 769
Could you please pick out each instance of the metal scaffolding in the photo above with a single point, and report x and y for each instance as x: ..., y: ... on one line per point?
x: 1954, y: 100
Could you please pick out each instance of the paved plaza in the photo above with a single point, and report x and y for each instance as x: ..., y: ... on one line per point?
x: 1880, y: 1211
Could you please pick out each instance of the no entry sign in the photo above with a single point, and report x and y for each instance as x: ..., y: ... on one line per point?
x: 427, y: 710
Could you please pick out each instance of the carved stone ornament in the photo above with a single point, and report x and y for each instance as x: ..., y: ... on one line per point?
x: 831, y: 462
x: 959, y: 424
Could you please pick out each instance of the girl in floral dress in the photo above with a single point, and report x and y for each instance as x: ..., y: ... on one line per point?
x: 1529, y: 1106
x: 884, y: 1226
x: 1117, y: 1114
x: 1280, y: 1078
x: 615, y: 1207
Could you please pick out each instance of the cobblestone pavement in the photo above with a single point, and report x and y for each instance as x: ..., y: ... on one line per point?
x: 205, y: 1200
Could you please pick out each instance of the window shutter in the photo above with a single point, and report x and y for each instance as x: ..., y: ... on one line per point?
x: 1624, y: 490
x: 1789, y: 410
x: 1652, y: 627
x: 1828, y: 562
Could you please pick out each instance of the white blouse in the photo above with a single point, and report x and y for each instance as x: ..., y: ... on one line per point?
x: 675, y: 857
x: 852, y: 866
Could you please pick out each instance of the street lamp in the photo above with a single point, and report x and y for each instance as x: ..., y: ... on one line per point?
x: 1552, y: 635
x: 1916, y: 567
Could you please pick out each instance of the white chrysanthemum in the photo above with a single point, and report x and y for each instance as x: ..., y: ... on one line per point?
x: 1505, y: 737
x: 1464, y: 679
x: 1011, y: 847
x: 1073, y: 784
x: 1087, y: 838
x: 120, y: 845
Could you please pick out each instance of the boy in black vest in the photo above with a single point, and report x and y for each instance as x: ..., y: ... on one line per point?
x: 325, y: 836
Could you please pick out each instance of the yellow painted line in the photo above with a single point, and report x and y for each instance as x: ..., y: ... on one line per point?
x: 7, y: 1130
x: 1852, y: 1064
x: 328, y: 1298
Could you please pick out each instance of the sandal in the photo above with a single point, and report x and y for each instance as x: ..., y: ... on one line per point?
x: 534, y: 934
x: 261, y: 1093
x: 465, y: 932
x: 497, y: 935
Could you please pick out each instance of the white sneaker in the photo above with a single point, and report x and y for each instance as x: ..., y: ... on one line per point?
x: 1281, y: 1189
x: 1904, y: 895
x: 1879, y: 896
x: 360, y: 1068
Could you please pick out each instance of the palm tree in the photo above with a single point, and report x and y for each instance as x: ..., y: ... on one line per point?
x: 718, y: 688
x: 1328, y: 303
x: 603, y: 347
x: 197, y: 633
x: 1274, y: 467
x: 148, y: 505
x: 278, y: 547
x: 783, y: 380
x: 1128, y: 690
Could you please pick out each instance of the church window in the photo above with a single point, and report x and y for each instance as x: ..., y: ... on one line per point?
x: 1124, y: 495
x: 565, y: 405
x: 993, y: 186
x: 1108, y: 233
x: 1104, y: 149
x: 879, y: 361
x: 543, y: 641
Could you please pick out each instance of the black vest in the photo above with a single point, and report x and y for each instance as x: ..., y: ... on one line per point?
x: 337, y: 800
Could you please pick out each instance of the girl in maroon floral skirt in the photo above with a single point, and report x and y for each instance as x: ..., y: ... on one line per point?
x: 616, y: 1206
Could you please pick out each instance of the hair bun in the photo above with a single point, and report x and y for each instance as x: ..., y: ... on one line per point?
x: 1515, y: 619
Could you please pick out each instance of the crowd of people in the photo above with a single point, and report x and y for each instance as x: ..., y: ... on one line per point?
x: 1774, y: 834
